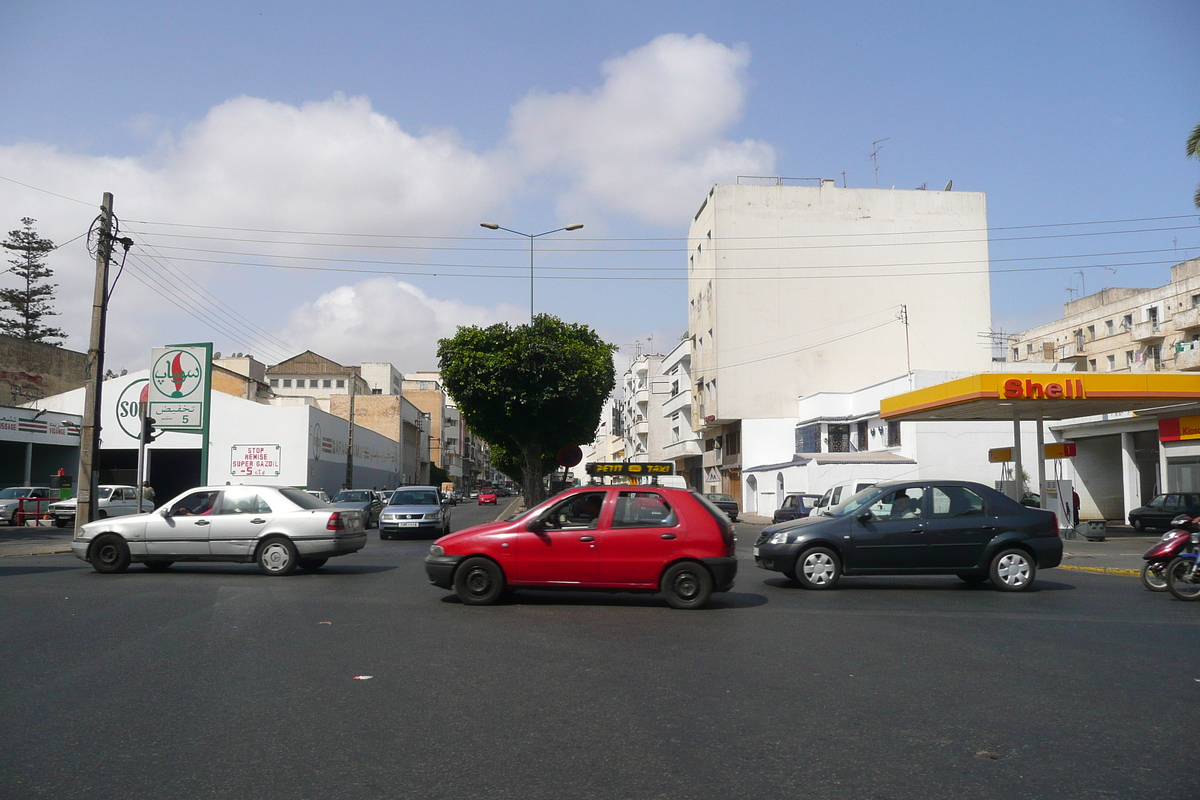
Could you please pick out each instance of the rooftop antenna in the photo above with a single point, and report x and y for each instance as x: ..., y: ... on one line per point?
x: 1082, y: 284
x: 843, y: 179
x: 650, y: 343
x: 1106, y: 271
x: 875, y: 156
x: 949, y: 185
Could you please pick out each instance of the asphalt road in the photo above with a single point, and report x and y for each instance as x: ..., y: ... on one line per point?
x: 213, y: 681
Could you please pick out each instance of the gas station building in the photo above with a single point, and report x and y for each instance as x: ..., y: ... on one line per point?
x: 1135, y: 434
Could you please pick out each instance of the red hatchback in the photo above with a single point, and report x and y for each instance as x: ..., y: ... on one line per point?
x: 487, y: 496
x: 608, y: 538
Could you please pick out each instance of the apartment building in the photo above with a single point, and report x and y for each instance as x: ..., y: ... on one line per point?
x: 683, y: 445
x: 313, y: 375
x: 796, y: 290
x: 644, y: 390
x: 1123, y: 329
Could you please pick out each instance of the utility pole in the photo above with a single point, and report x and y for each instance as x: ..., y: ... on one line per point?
x: 89, y: 439
x: 903, y: 317
x: 350, y: 435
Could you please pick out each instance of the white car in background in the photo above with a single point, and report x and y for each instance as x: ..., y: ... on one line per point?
x: 10, y: 501
x: 111, y: 501
x: 277, y: 527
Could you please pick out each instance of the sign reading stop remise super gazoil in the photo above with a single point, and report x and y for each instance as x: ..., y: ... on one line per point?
x: 178, y: 377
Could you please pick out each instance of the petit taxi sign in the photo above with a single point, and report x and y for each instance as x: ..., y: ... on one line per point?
x: 634, y: 469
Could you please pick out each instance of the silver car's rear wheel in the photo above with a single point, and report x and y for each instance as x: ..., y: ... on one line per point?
x: 277, y: 556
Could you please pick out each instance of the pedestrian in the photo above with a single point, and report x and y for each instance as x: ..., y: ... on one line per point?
x: 148, y: 493
x: 1075, y: 505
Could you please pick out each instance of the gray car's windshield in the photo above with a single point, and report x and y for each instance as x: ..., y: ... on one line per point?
x: 353, y: 497
x: 9, y: 494
x: 854, y: 502
x: 105, y: 492
x: 414, y: 497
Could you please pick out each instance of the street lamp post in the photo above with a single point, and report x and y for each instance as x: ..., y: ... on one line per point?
x: 531, y: 236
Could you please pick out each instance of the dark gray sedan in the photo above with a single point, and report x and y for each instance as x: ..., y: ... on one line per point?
x: 364, y: 500
x: 916, y: 528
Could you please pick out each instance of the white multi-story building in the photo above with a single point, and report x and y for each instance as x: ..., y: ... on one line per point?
x: 1123, y: 330
x: 381, y: 377
x: 645, y: 429
x: 796, y: 290
x: 684, y: 445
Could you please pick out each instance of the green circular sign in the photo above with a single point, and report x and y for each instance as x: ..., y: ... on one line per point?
x: 131, y: 407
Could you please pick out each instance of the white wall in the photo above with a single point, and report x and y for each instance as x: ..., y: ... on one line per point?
x: 791, y: 268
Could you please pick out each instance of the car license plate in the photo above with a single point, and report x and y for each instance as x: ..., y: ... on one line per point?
x: 409, y: 524
x: 756, y: 552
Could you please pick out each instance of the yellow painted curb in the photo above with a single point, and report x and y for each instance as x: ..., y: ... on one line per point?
x: 1105, y: 570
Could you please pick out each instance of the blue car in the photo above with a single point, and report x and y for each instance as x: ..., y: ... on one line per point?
x: 795, y: 506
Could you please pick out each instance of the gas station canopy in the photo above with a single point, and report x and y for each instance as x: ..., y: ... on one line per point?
x: 1003, y: 396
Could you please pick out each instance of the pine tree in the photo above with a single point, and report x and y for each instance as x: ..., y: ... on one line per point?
x: 23, y: 308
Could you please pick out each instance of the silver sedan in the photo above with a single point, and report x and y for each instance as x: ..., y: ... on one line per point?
x: 279, y: 528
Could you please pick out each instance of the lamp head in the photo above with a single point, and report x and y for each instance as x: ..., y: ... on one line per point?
x: 574, y: 226
x: 490, y: 226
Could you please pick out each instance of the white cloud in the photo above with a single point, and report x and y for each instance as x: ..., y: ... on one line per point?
x: 383, y: 319
x: 649, y: 141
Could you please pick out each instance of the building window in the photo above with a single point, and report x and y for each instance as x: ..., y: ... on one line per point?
x: 377, y: 391
x: 808, y: 439
x: 862, y: 435
x: 1091, y: 365
x: 1127, y: 322
x: 1112, y: 363
x: 893, y: 434
x: 1109, y: 328
x: 341, y: 384
x: 839, y: 438
x: 287, y: 383
x: 1092, y: 333
x: 1016, y: 354
x: 709, y: 444
x: 1129, y: 358
x: 733, y: 443
x: 275, y: 382
x: 327, y: 383
x: 312, y: 384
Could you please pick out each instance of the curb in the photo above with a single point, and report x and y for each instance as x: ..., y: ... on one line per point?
x: 1102, y: 570
x: 38, y: 553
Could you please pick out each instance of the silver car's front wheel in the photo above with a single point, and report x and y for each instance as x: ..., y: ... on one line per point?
x: 277, y: 557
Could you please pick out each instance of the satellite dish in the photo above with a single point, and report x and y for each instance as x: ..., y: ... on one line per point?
x: 949, y: 186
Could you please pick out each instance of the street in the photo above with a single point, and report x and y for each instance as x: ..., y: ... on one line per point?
x: 214, y: 681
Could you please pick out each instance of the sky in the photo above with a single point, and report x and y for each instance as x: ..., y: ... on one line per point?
x: 312, y: 176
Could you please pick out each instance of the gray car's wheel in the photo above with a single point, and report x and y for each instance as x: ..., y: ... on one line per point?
x: 158, y: 566
x: 818, y: 568
x: 277, y: 556
x: 686, y: 585
x: 311, y: 564
x: 109, y: 554
x: 1012, y: 570
x: 479, y: 581
x: 1154, y: 576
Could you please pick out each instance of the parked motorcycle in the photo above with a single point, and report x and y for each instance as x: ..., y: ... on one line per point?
x: 1173, y: 543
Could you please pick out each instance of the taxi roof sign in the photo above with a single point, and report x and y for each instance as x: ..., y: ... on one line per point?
x: 634, y: 468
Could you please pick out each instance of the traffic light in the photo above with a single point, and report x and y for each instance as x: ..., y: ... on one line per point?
x: 149, y: 434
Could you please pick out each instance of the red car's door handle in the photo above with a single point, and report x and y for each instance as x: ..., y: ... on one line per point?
x: 587, y: 538
x: 668, y: 536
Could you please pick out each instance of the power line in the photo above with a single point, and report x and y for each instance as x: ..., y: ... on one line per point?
x: 47, y: 191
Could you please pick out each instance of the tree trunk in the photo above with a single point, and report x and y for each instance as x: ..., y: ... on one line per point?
x: 531, y: 473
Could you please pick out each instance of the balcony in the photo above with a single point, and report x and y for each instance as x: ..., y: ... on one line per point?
x: 677, y: 402
x: 1187, y: 319
x: 1148, y: 331
x: 683, y: 448
x: 1073, y: 351
x: 641, y: 427
x: 1188, y: 360
x: 712, y: 458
